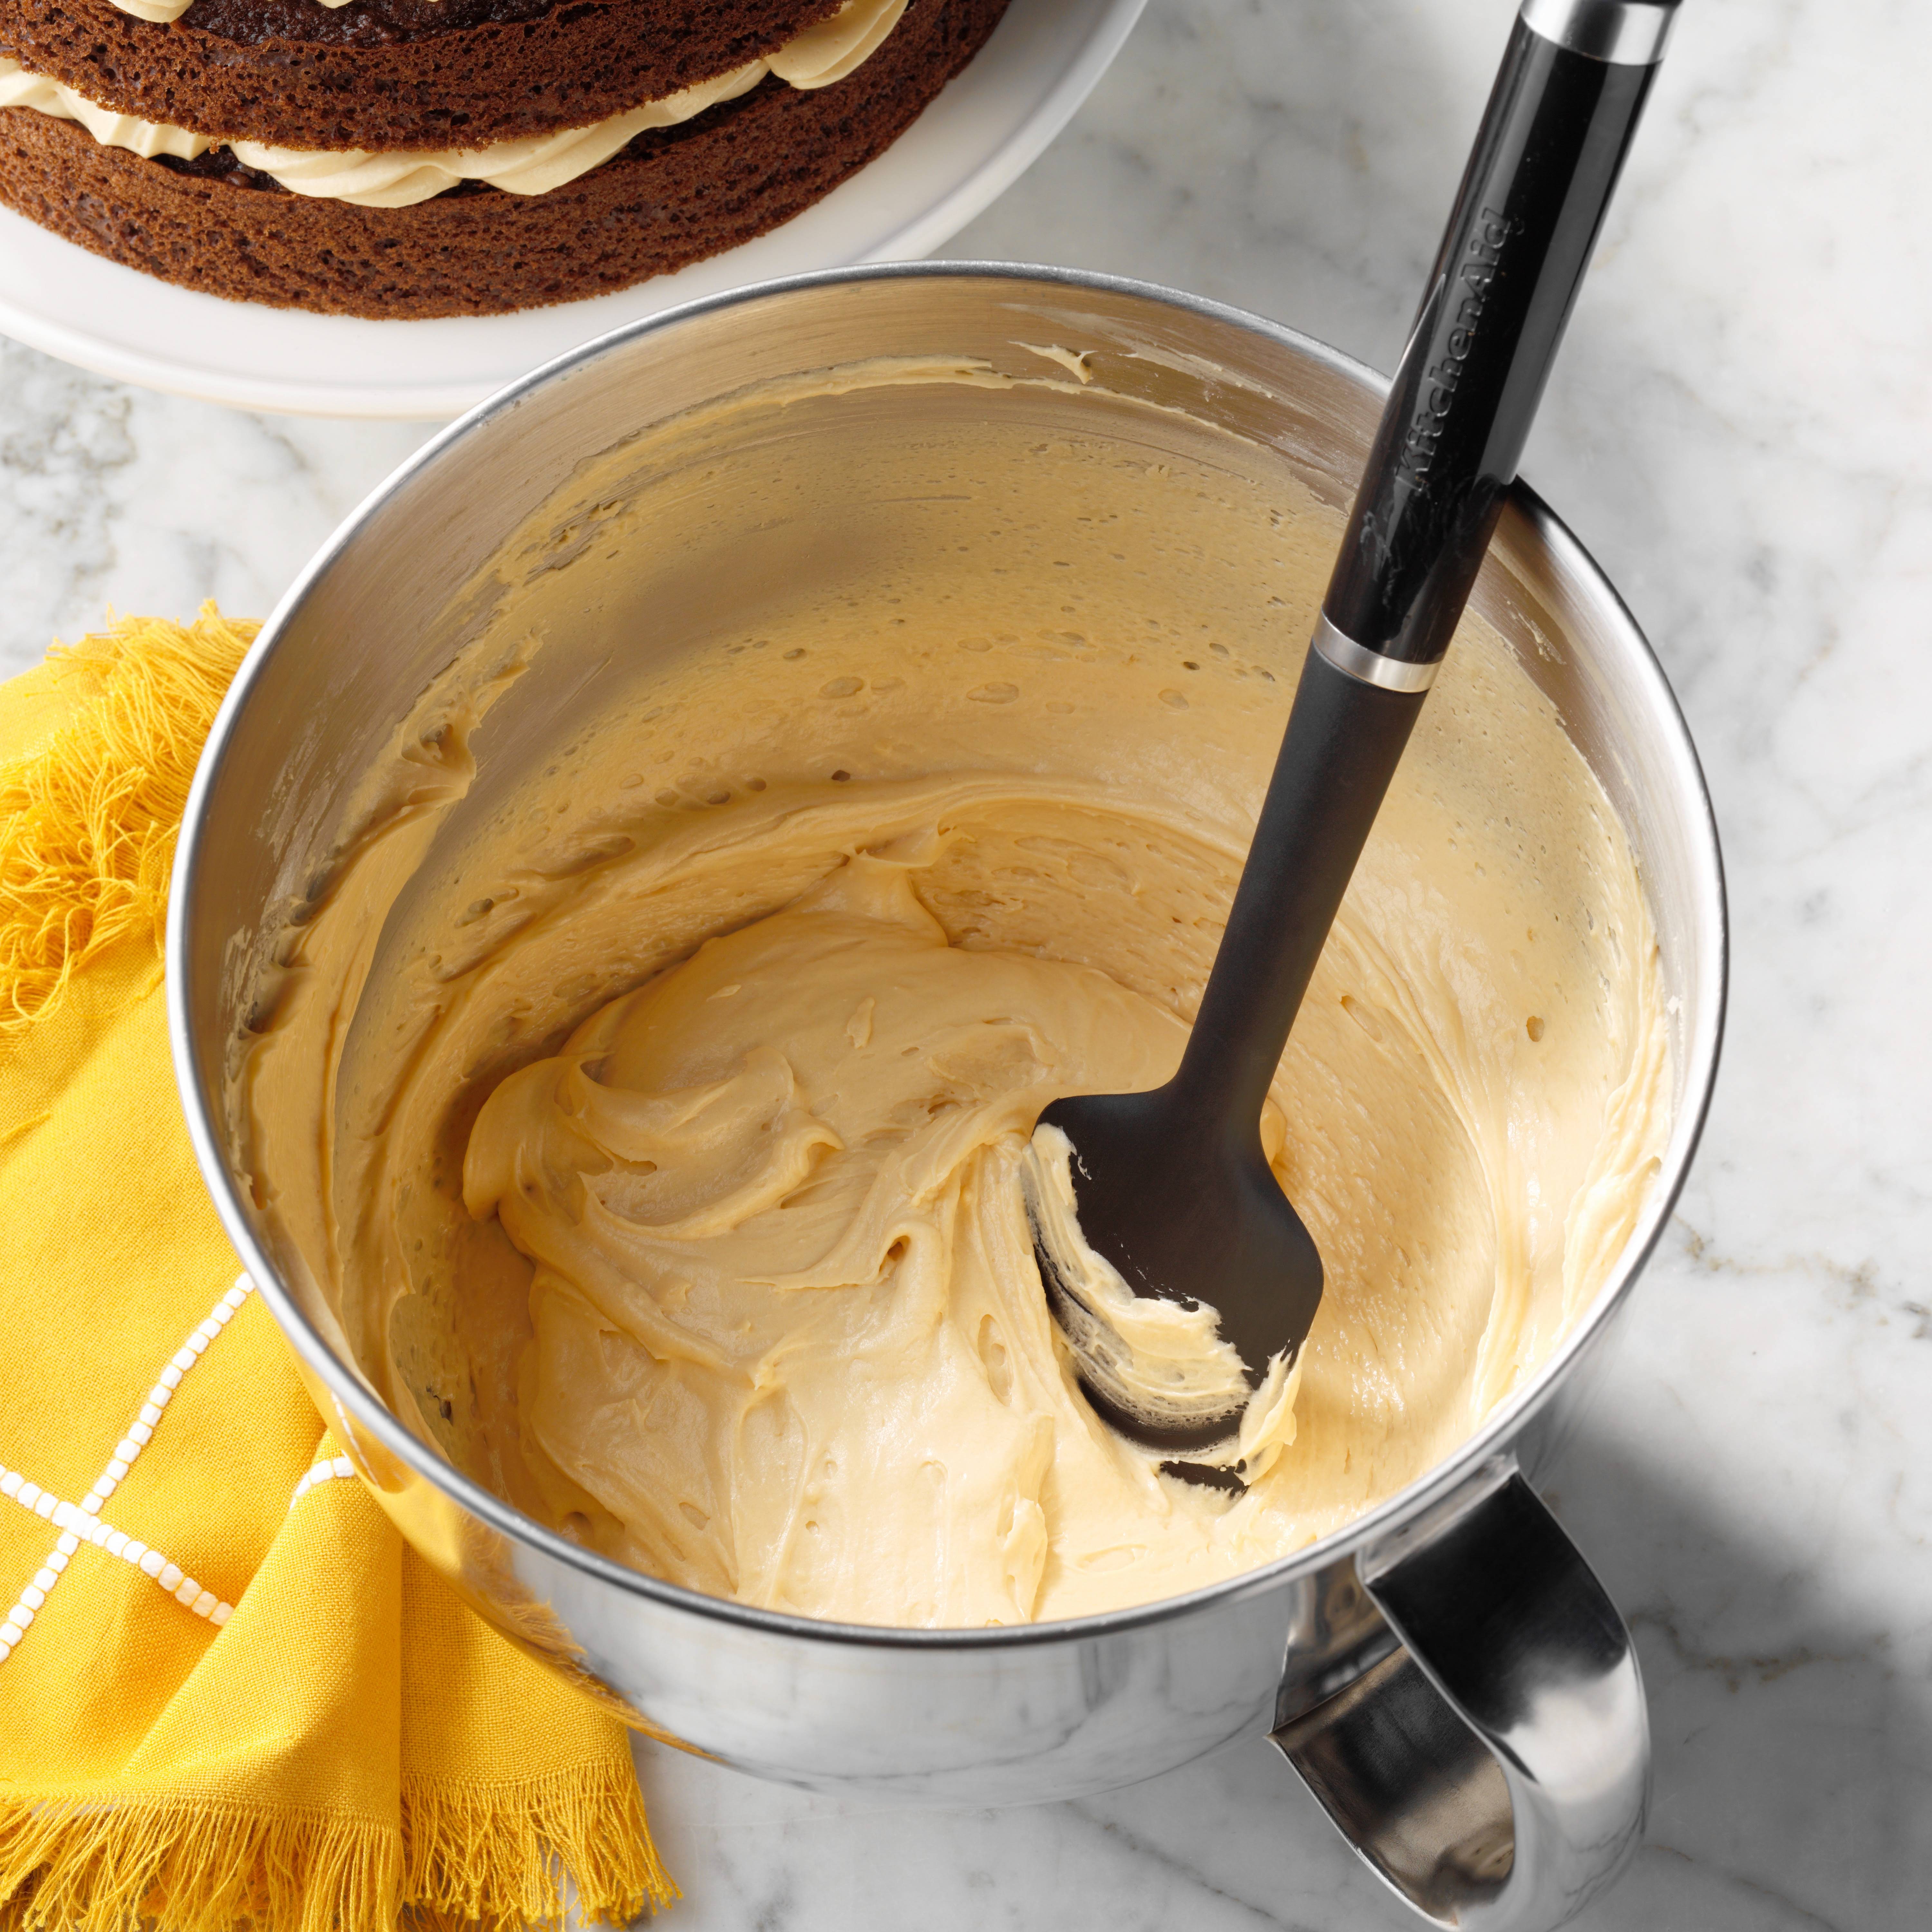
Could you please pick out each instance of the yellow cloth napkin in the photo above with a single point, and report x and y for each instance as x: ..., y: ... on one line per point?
x: 245, y: 1700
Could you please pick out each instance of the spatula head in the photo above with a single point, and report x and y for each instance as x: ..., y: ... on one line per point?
x: 1174, y: 1263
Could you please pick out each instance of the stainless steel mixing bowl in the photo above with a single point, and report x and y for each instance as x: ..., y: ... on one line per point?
x: 1445, y: 1674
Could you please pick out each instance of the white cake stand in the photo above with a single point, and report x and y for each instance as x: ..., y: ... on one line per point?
x: 974, y: 140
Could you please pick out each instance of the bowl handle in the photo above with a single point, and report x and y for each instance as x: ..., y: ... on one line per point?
x: 1494, y: 1770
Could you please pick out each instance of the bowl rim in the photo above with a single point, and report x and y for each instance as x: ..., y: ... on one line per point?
x: 1490, y: 1444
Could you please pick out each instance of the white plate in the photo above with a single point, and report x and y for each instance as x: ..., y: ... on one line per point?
x: 974, y: 141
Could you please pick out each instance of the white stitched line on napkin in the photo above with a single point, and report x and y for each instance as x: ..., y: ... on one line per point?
x: 324, y: 1472
x: 81, y: 1522
x: 79, y: 1528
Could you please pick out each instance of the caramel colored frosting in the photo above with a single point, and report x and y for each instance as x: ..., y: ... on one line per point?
x: 788, y: 1169
x: 649, y: 1123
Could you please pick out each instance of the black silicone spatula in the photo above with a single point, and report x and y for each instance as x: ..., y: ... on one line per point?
x: 1170, y: 1189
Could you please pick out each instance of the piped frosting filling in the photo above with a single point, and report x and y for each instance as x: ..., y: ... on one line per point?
x: 830, y: 51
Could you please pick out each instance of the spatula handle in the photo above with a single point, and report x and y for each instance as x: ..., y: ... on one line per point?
x: 1546, y: 157
x: 1526, y: 218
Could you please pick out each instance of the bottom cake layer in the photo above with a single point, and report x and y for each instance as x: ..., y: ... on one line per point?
x: 674, y: 196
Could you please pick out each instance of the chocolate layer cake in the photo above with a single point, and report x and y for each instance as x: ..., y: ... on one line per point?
x: 426, y: 158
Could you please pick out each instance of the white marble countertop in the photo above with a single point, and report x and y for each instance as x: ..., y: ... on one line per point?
x: 1738, y: 429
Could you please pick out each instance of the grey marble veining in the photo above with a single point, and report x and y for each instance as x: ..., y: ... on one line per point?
x: 110, y: 494
x: 1738, y: 429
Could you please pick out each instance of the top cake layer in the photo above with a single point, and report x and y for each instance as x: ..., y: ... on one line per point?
x: 368, y: 21
x: 384, y: 75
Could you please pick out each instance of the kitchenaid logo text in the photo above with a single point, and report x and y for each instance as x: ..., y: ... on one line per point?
x: 1473, y: 277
